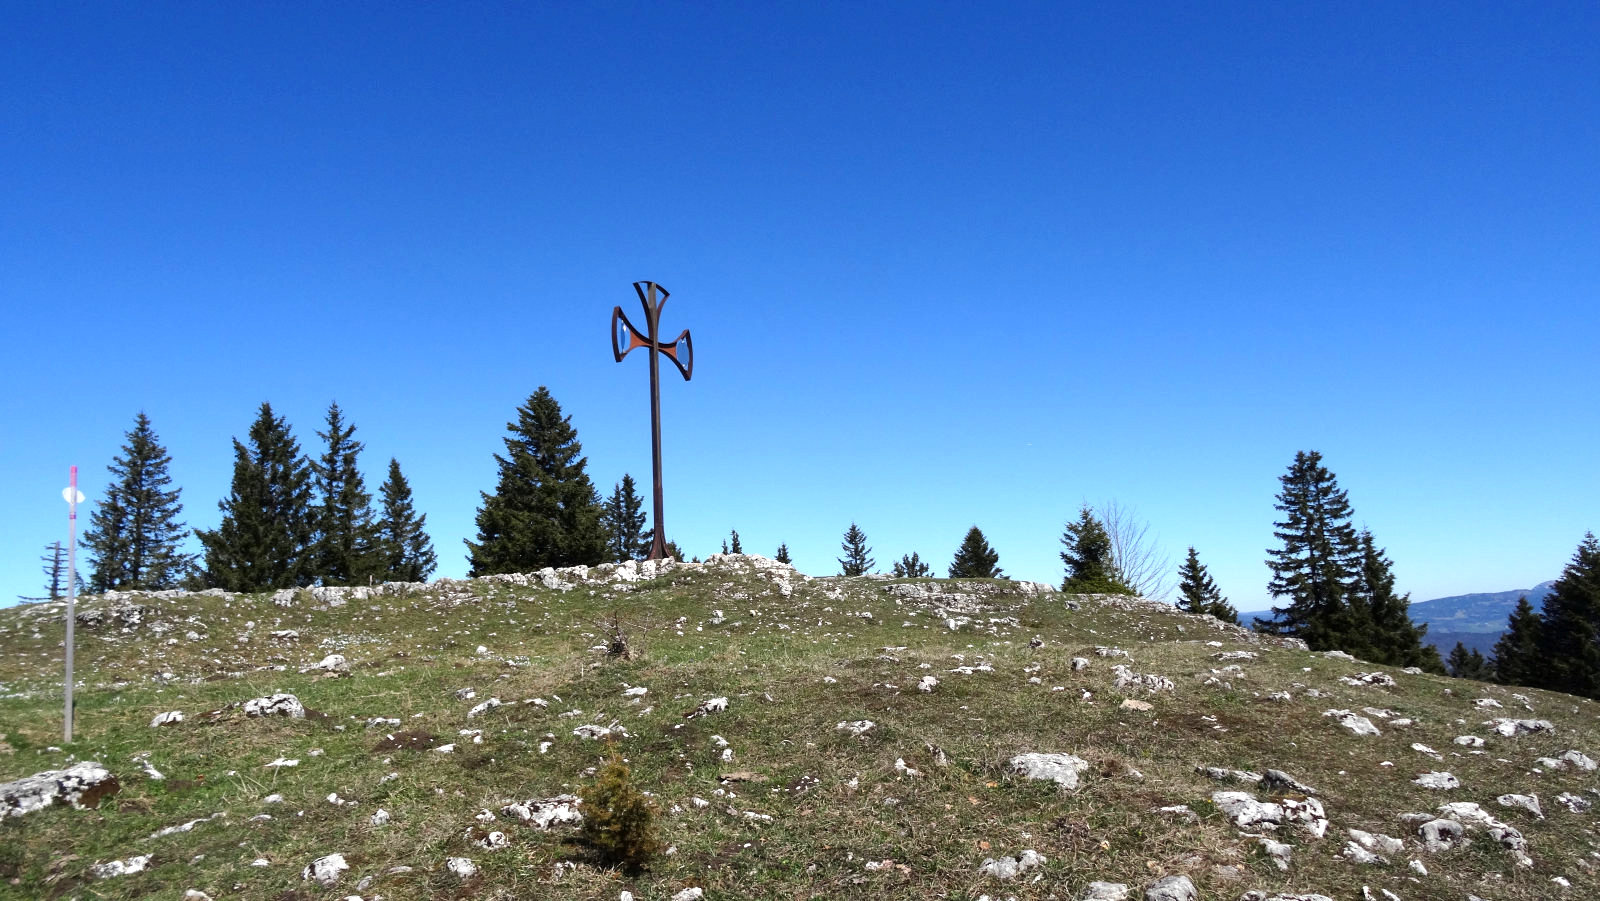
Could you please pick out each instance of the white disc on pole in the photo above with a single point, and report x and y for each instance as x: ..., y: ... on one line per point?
x: 66, y: 495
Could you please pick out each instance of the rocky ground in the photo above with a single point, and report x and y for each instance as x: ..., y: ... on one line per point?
x: 803, y: 738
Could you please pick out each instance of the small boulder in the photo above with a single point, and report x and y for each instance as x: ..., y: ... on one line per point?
x: 1062, y: 769
x: 325, y: 870
x: 167, y: 719
x: 1171, y: 888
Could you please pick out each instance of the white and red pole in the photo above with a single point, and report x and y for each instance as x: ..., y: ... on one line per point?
x: 72, y: 496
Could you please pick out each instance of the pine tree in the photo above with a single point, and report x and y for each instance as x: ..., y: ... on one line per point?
x: 734, y: 547
x: 54, y: 562
x: 544, y: 511
x: 1569, y: 629
x: 856, y: 560
x: 1386, y: 633
x: 623, y: 519
x: 1472, y: 664
x: 134, y: 533
x: 975, y: 559
x: 911, y: 566
x: 1198, y: 592
x: 1319, y: 556
x: 783, y: 554
x: 1516, y: 654
x: 345, y: 543
x: 266, y: 538
x: 400, y: 544
x: 1088, y: 558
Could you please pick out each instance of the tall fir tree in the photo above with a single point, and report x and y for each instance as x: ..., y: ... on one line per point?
x: 1569, y: 628
x: 783, y: 554
x: 1317, y: 559
x: 734, y: 547
x: 400, y: 545
x: 1384, y: 630
x: 975, y: 559
x: 1198, y: 592
x: 911, y: 566
x: 544, y: 510
x: 345, y: 551
x: 1088, y: 558
x: 857, y: 559
x: 623, y: 519
x: 1516, y: 654
x: 267, y: 535
x: 134, y: 536
x: 54, y: 566
x: 1465, y: 664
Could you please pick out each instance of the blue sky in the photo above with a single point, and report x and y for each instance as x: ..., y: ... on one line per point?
x: 945, y: 264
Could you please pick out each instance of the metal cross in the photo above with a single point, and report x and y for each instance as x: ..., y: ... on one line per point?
x: 624, y: 337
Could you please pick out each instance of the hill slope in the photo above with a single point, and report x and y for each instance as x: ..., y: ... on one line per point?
x: 769, y: 797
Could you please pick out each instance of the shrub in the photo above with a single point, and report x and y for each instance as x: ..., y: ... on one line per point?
x: 618, y: 820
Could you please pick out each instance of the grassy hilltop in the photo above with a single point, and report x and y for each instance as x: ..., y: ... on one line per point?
x: 910, y: 809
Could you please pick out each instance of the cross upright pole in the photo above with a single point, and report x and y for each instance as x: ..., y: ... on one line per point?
x: 624, y: 338
x: 72, y: 590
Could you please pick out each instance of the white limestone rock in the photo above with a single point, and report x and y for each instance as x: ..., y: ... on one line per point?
x: 1356, y: 723
x: 325, y: 871
x: 114, y: 868
x: 1374, y: 678
x: 1062, y: 769
x: 1128, y: 679
x: 1105, y: 891
x: 1245, y: 812
x: 1006, y: 868
x: 1509, y: 726
x: 546, y: 813
x: 81, y: 785
x: 275, y: 705
x: 855, y: 727
x: 1280, y: 853
x: 461, y: 867
x: 1530, y: 803
x: 333, y: 663
x: 485, y: 707
x: 1171, y: 888
x: 1469, y: 741
x: 1437, y: 780
x: 169, y: 718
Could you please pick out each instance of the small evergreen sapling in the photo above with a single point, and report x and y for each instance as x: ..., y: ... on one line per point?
x: 857, y: 559
x: 975, y: 559
x: 783, y: 554
x: 619, y: 820
x: 734, y: 547
x: 54, y: 560
x: 911, y: 566
x: 1198, y: 592
x: 1091, y: 568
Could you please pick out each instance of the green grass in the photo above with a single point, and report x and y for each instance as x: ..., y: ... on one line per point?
x: 836, y: 802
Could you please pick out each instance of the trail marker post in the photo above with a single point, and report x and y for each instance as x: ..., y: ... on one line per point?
x: 73, y: 497
x: 624, y: 338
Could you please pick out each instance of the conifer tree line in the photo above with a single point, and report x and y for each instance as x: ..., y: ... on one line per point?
x: 1556, y: 647
x: 287, y: 521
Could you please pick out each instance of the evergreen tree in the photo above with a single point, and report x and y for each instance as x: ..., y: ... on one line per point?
x: 783, y: 554
x: 856, y: 560
x: 1319, y: 556
x: 266, y: 538
x: 671, y: 547
x: 1569, y: 629
x: 911, y: 566
x: 1387, y: 634
x: 1198, y: 592
x: 345, y: 542
x: 54, y: 560
x: 734, y: 546
x: 623, y: 518
x: 1516, y: 654
x: 975, y: 559
x: 544, y: 511
x: 1088, y: 558
x: 134, y: 532
x: 1466, y: 664
x: 400, y: 541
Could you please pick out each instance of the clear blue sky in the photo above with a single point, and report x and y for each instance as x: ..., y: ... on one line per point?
x: 945, y: 264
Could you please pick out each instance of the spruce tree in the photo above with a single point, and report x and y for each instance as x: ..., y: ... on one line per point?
x: 544, y: 511
x: 623, y: 518
x: 1384, y: 630
x: 400, y: 544
x: 266, y: 538
x: 345, y: 542
x: 1318, y: 557
x: 1569, y: 629
x: 910, y: 566
x: 1516, y: 654
x: 1198, y: 592
x: 134, y: 533
x: 1472, y: 664
x: 975, y: 559
x: 54, y: 562
x: 1088, y: 558
x: 783, y: 554
x: 856, y: 560
x: 734, y: 547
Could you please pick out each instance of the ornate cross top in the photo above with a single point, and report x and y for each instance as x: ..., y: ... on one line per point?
x: 624, y: 338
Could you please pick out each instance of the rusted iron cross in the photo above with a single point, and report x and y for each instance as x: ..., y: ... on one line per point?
x: 624, y: 337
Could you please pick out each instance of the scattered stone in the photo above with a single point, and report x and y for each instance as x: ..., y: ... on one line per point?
x: 1509, y: 727
x: 275, y: 705
x: 1222, y: 774
x: 1180, y: 811
x: 1338, y: 655
x: 1278, y: 781
x: 546, y: 813
x: 1437, y: 780
x: 1530, y: 803
x: 380, y: 817
x: 855, y: 727
x: 1062, y: 769
x: 82, y: 785
x: 333, y: 663
x: 1132, y: 704
x: 1356, y: 723
x: 483, y: 708
x: 1127, y: 678
x: 461, y: 867
x: 1377, y: 841
x: 712, y: 705
x: 1006, y: 868
x: 186, y: 827
x: 1574, y: 759
x: 115, y: 868
x: 1574, y: 803
x: 1469, y: 741
x: 637, y: 691
x: 1279, y: 852
x: 1357, y: 854
x: 166, y: 719
x: 1374, y: 678
x: 494, y: 841
x: 1245, y: 811
x: 1171, y: 888
x: 1441, y: 835
x: 927, y: 683
x: 1082, y: 663
x: 1106, y: 891
x: 1259, y: 895
x: 693, y: 893
x: 325, y: 870
x: 1486, y: 703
